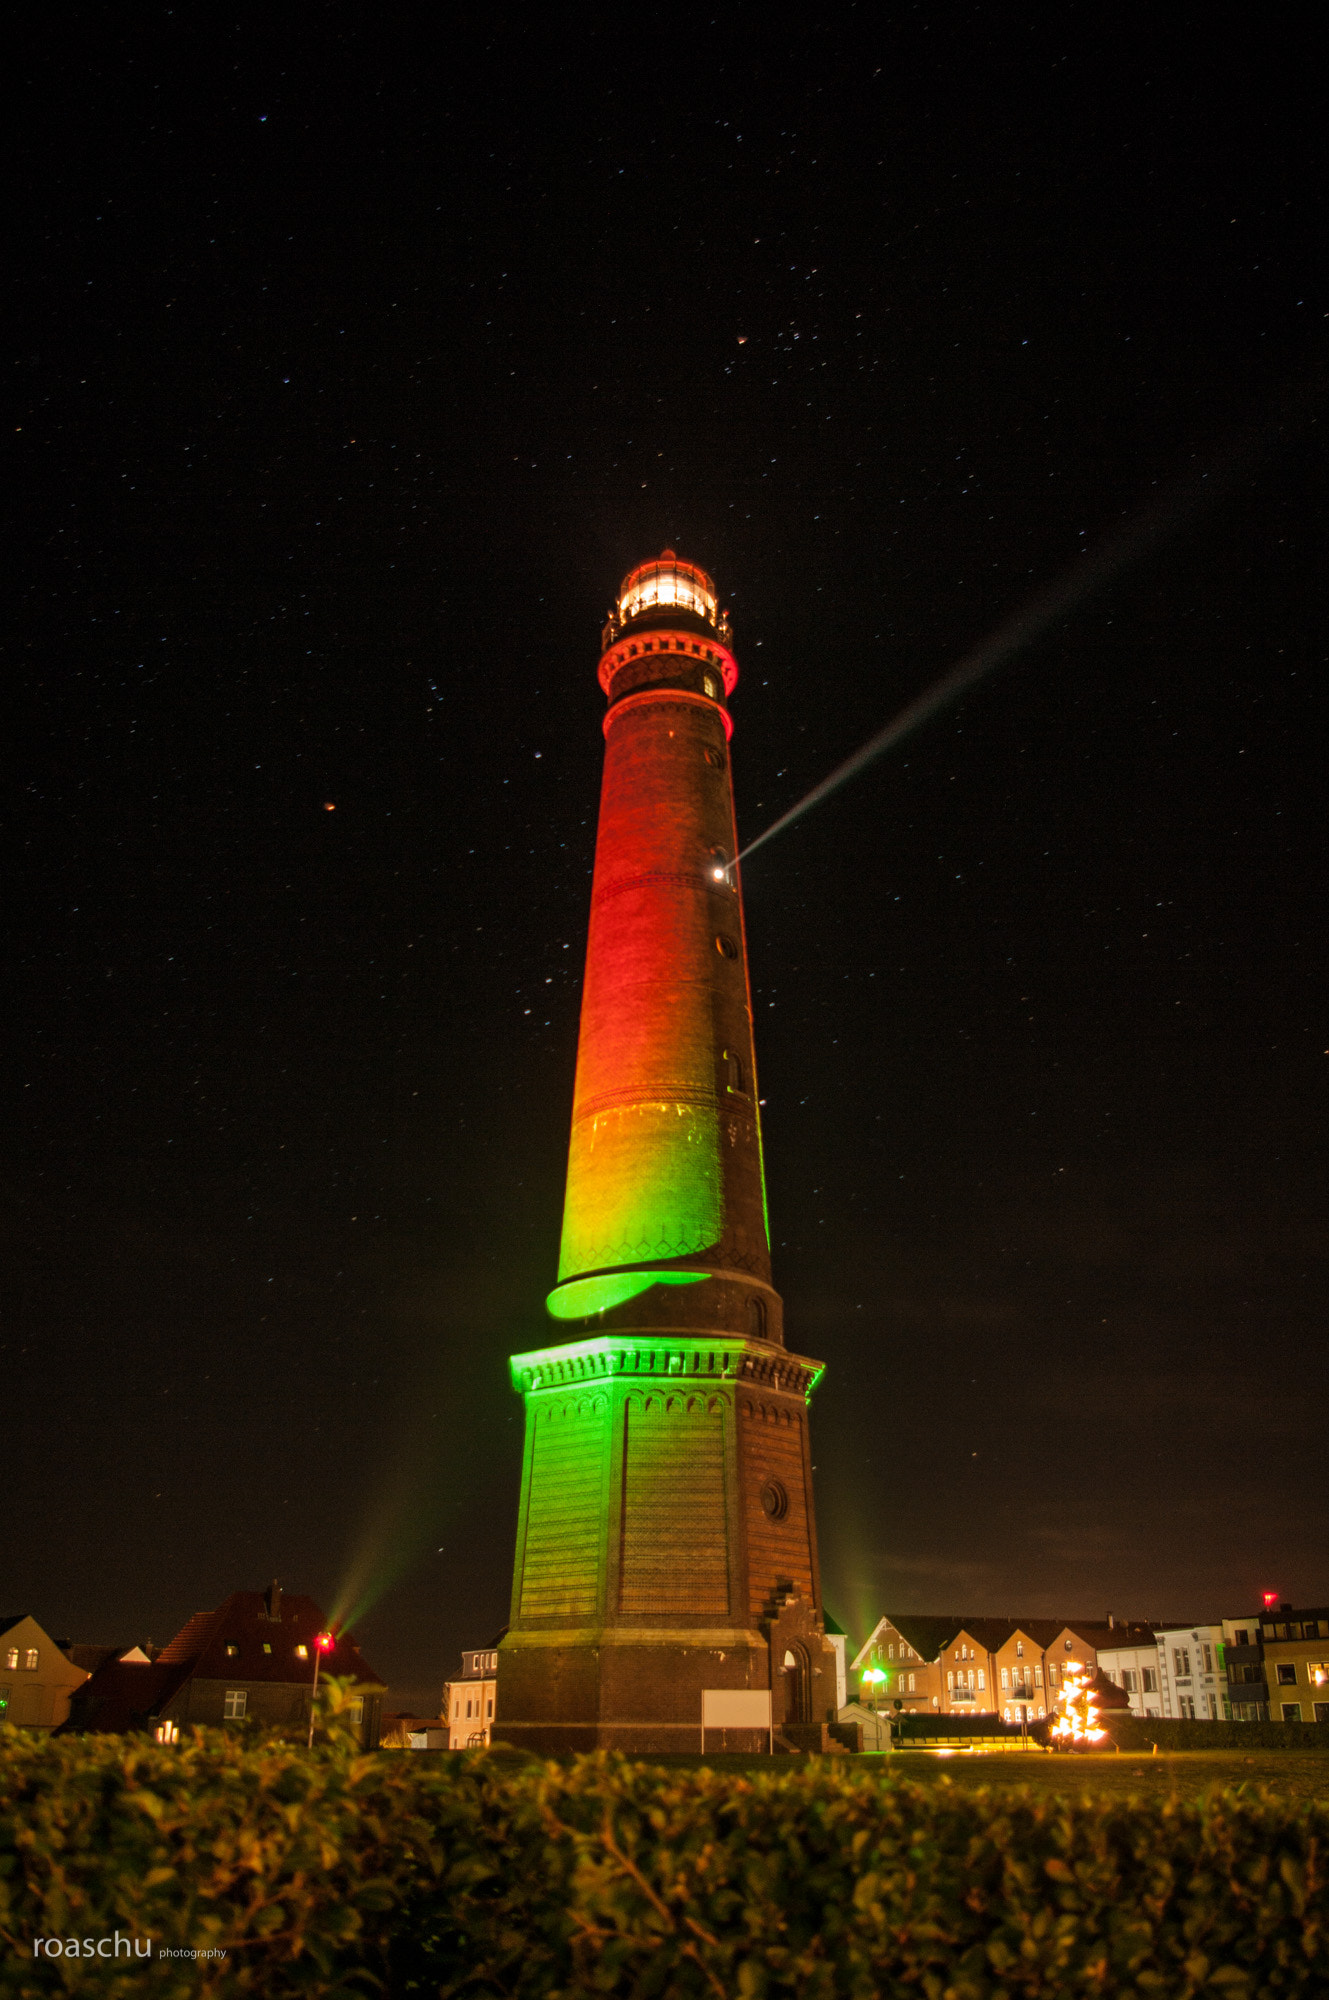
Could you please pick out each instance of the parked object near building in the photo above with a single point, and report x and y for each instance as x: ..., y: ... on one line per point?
x: 1246, y: 1694
x: 251, y: 1660
x: 413, y: 1732
x: 1012, y: 1668
x: 1296, y: 1662
x: 37, y: 1678
x: 468, y: 1702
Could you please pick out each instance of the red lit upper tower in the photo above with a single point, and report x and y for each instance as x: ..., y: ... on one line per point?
x: 666, y: 1538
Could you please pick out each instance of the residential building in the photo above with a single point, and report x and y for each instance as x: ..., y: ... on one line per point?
x: 251, y: 1660
x: 37, y: 1679
x: 1296, y: 1662
x: 1246, y: 1697
x: 1131, y: 1661
x: 837, y: 1636
x: 1192, y: 1674
x: 1013, y: 1668
x: 468, y: 1701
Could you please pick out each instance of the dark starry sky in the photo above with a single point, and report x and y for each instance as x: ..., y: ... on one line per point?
x: 351, y: 367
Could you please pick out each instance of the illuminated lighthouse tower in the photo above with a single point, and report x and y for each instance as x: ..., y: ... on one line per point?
x: 666, y: 1541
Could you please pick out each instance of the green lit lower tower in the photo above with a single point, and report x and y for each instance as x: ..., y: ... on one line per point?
x: 666, y: 1541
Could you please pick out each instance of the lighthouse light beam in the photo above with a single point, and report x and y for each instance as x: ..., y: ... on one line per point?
x: 1154, y: 524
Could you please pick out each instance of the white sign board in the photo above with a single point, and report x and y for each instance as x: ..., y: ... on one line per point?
x: 735, y: 1708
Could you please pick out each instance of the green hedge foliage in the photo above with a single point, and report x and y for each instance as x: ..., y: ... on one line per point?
x: 1141, y: 1732
x: 339, y: 1874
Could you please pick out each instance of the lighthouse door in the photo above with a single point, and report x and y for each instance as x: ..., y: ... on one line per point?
x: 797, y: 1686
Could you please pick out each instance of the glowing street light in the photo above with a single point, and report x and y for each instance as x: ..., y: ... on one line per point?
x: 323, y: 1643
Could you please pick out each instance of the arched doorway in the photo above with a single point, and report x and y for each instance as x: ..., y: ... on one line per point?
x: 797, y: 1671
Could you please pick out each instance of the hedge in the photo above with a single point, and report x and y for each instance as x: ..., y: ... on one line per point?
x: 339, y: 1874
x: 1141, y: 1732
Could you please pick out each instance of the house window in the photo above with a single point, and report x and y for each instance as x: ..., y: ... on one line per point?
x: 1212, y: 1700
x: 232, y: 1650
x: 1322, y: 1711
x: 355, y: 1710
x: 1187, y: 1706
x: 1208, y: 1660
x: 950, y: 1680
x: 1052, y: 1672
x: 890, y: 1652
x: 1292, y: 1711
x: 911, y: 1683
x: 1005, y: 1678
x: 1068, y: 1643
x: 1241, y: 1638
x: 1148, y: 1680
x: 982, y: 1678
x: 1128, y: 1679
x: 1181, y: 1660
x: 1019, y: 1649
x: 266, y: 1647
x: 11, y: 1658
x: 1038, y: 1677
x: 302, y: 1652
x: 30, y: 1659
x: 234, y: 1704
x: 1287, y: 1673
x: 491, y: 1704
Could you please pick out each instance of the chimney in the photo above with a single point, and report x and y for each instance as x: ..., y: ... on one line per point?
x: 272, y: 1601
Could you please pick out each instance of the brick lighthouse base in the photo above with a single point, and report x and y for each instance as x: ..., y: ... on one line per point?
x: 665, y: 1544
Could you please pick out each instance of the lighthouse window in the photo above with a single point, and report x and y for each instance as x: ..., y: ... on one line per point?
x: 734, y: 1068
x: 714, y: 759
x: 726, y: 946
x: 774, y: 1500
x: 756, y: 1317
x: 711, y: 685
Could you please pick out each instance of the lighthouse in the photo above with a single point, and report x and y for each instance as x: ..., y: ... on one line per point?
x: 666, y: 1541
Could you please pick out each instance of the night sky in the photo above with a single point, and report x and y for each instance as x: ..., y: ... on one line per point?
x: 350, y: 371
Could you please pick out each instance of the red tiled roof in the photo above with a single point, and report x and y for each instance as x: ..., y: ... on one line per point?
x: 265, y: 1647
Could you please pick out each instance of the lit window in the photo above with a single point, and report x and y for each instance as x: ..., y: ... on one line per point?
x: 1005, y: 1678
x: 30, y: 1659
x: 950, y: 1680
x: 266, y: 1647
x: 711, y: 685
x: 355, y: 1710
x: 1019, y: 1649
x: 11, y: 1658
x: 911, y: 1683
x: 235, y: 1703
x: 302, y: 1652
x: 232, y: 1650
x: 1067, y: 1643
x: 1038, y: 1677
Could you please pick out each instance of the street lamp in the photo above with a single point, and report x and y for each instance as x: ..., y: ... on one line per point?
x: 323, y: 1643
x: 875, y: 1679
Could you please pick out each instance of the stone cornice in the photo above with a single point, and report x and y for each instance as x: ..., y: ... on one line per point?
x: 665, y: 1357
